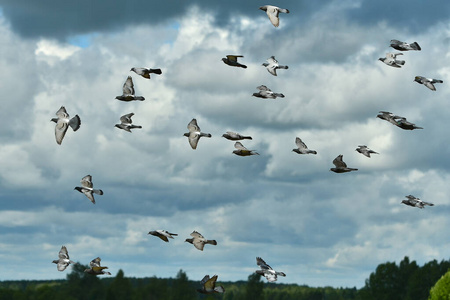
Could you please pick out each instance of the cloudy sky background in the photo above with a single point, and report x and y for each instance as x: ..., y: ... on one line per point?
x: 318, y: 227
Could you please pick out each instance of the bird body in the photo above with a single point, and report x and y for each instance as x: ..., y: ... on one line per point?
x: 403, y: 46
x: 242, y: 151
x: 416, y: 202
x: 365, y: 151
x: 195, y: 133
x: 266, y: 93
x: 428, y: 82
x: 87, y: 188
x: 302, y: 148
x: 233, y: 136
x: 144, y: 72
x: 232, y: 60
x: 209, y: 285
x: 341, y: 166
x: 267, y: 271
x: 199, y: 241
x: 63, y: 260
x: 128, y: 91
x: 273, y: 12
x: 163, y: 234
x: 96, y: 268
x: 63, y: 121
x: 391, y: 60
x: 272, y: 65
x: 126, y: 123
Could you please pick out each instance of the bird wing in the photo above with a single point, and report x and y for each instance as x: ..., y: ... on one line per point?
x: 263, y: 88
x: 262, y: 264
x: 196, y: 234
x: 192, y: 126
x: 128, y: 87
x: 204, y: 280
x: 62, y: 113
x: 239, y: 146
x: 126, y: 119
x: 86, y: 181
x: 193, y: 139
x: 63, y: 254
x: 60, y: 130
x: 300, y: 143
x: 95, y: 262
x: 233, y: 57
x: 339, y: 163
x: 210, y: 283
x: 272, y: 12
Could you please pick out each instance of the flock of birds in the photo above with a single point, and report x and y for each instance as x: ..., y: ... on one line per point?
x: 63, y: 122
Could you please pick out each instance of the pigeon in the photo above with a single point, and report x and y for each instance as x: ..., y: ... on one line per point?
x: 391, y: 60
x: 387, y: 116
x: 231, y: 60
x: 144, y: 72
x: 272, y: 12
x: 404, y: 124
x: 242, y: 151
x: 199, y: 241
x: 272, y: 65
x: 302, y: 148
x: 341, y: 166
x: 195, y: 133
x: 128, y: 92
x: 428, y: 82
x: 233, y: 136
x: 63, y: 122
x: 403, y: 46
x: 415, y: 202
x: 365, y: 151
x: 267, y: 271
x: 266, y: 93
x: 64, y: 260
x: 125, y: 123
x: 209, y: 285
x: 95, y: 268
x: 163, y: 234
x: 86, y: 188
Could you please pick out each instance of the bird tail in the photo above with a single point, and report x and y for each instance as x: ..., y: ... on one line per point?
x: 206, y: 134
x: 278, y: 95
x: 139, y: 98
x: 283, y: 67
x: 219, y: 289
x: 312, y: 151
x: 438, y: 81
x: 415, y: 46
x: 174, y: 234
x: 280, y: 274
x: 156, y: 71
x: 98, y: 192
x: 243, y: 66
x: 247, y: 137
x: 211, y: 242
x: 75, y: 123
x: 400, y: 62
x: 135, y: 126
x: 283, y: 10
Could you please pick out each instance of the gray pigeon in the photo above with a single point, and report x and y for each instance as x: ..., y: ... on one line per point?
x: 231, y: 60
x: 391, y: 60
x: 242, y: 151
x: 128, y: 92
x: 199, y: 241
x: 405, y: 124
x: 63, y: 261
x: 428, y: 82
x: 144, y: 72
x: 272, y: 13
x: 195, y: 133
x: 63, y: 122
x: 341, y: 166
x: 233, y: 136
x: 163, y: 234
x: 86, y: 188
x: 416, y: 202
x: 266, y: 93
x: 209, y: 285
x: 96, y: 268
x: 126, y: 123
x: 267, y: 271
x: 403, y: 46
x: 272, y: 65
x: 302, y: 148
x: 387, y: 116
x: 365, y: 151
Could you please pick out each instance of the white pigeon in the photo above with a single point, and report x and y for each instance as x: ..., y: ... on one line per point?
x: 428, y: 82
x: 391, y: 60
x: 163, y: 234
x: 195, y: 133
x: 365, y: 151
x: 63, y: 261
x: 272, y: 65
x: 242, y: 151
x: 63, y: 122
x: 128, y: 91
x: 209, y: 285
x: 199, y: 241
x: 126, y: 123
x: 416, y: 202
x: 266, y: 93
x: 272, y: 13
x: 403, y: 46
x: 87, y: 188
x: 144, y: 72
x: 267, y: 271
x: 302, y: 148
x: 233, y: 136
x: 341, y: 166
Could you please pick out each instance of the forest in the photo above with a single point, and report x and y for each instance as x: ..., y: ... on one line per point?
x: 406, y: 280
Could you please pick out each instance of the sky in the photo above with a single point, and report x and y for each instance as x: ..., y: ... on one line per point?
x: 318, y: 227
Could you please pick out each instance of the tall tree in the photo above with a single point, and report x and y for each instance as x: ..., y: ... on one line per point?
x: 254, y: 287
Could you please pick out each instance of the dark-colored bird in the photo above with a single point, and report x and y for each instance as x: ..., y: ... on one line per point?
x: 232, y: 60
x: 199, y: 241
x: 144, y: 72
x: 267, y: 271
x: 128, y: 92
x: 63, y: 261
x: 96, y: 268
x: 341, y: 166
x: 242, y: 151
x: 87, y: 188
x: 63, y: 122
x: 405, y: 124
x: 416, y: 202
x: 233, y: 136
x: 195, y: 133
x: 209, y: 285
x: 126, y: 123
x: 403, y: 46
x: 163, y: 234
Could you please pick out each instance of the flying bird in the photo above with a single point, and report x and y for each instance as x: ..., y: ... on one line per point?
x: 272, y: 65
x: 242, y: 151
x: 63, y: 261
x: 365, y: 151
x: 126, y: 123
x: 195, y: 133
x: 128, y: 92
x: 232, y: 60
x: 199, y: 241
x: 63, y: 122
x: 272, y: 13
x: 163, y: 234
x: 341, y: 166
x: 267, y: 271
x: 403, y: 46
x: 266, y: 93
x: 209, y: 285
x: 302, y: 148
x: 144, y: 72
x: 387, y: 116
x: 415, y: 202
x: 391, y: 60
x: 428, y: 82
x: 397, y: 120
x: 86, y: 188
x: 96, y: 268
x: 233, y: 136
